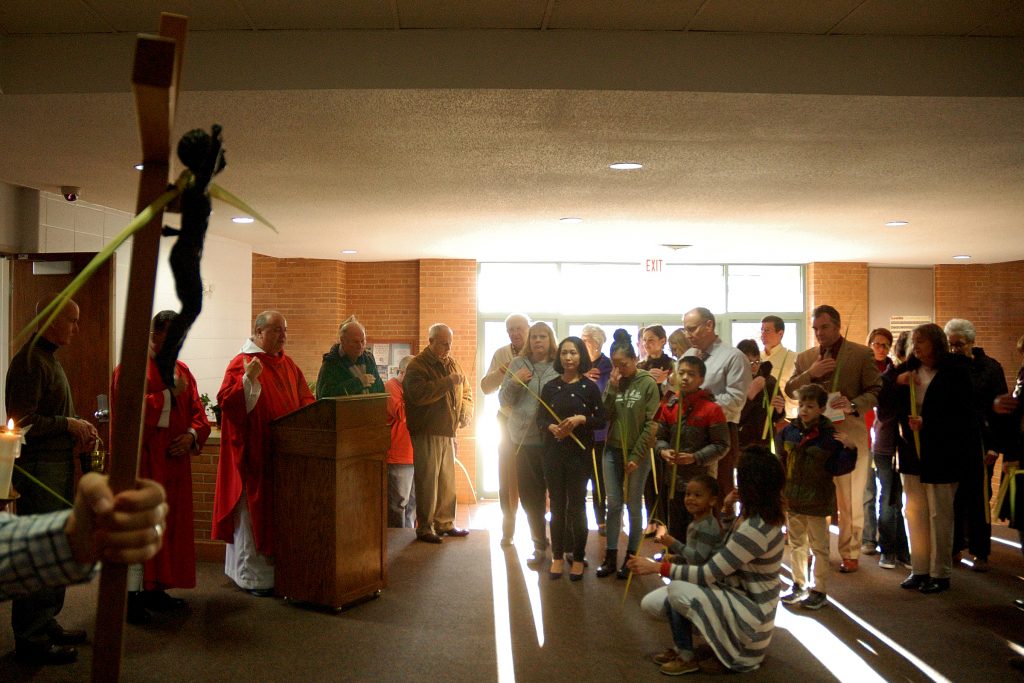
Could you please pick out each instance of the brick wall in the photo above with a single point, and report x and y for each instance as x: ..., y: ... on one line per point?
x: 385, y: 298
x: 844, y: 286
x: 310, y: 293
x: 204, y: 479
x: 992, y: 297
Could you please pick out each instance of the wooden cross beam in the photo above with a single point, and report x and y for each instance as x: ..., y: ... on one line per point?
x: 155, y: 80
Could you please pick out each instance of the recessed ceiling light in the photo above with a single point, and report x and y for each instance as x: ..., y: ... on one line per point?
x: 625, y: 166
x: 243, y: 219
x: 348, y: 251
x: 962, y: 257
x: 896, y: 224
x: 570, y: 219
x: 138, y: 167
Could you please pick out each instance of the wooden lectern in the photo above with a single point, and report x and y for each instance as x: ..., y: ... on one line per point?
x: 330, y: 499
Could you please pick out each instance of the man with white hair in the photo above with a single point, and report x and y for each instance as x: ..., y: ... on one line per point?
x: 972, y: 530
x: 348, y: 369
x: 517, y: 326
x: 261, y: 384
x: 437, y: 403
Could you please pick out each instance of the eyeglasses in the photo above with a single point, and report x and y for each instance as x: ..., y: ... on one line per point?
x: 692, y: 329
x: 755, y: 363
x: 957, y: 344
x: 879, y: 345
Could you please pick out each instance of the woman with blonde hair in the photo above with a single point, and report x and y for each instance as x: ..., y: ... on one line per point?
x: 525, y: 379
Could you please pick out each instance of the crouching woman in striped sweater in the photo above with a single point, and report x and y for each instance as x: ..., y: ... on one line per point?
x: 731, y: 599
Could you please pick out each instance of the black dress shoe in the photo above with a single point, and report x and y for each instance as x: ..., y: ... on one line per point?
x: 457, y: 533
x: 137, y: 615
x: 934, y: 586
x: 62, y: 636
x: 570, y: 558
x: 1019, y: 604
x: 160, y: 601
x: 914, y: 581
x: 46, y: 654
x: 429, y: 538
x: 261, y: 592
x: 624, y: 570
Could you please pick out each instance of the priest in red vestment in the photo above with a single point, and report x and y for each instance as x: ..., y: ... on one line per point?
x: 172, y: 431
x: 260, y: 385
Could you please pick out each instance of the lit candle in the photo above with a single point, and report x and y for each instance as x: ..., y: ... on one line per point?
x: 10, y: 448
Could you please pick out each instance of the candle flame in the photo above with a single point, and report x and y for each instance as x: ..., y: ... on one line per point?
x: 10, y: 425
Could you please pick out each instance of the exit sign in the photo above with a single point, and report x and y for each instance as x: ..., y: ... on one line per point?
x: 653, y: 265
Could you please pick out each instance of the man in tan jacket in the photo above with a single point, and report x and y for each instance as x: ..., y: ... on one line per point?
x: 848, y: 373
x: 437, y: 403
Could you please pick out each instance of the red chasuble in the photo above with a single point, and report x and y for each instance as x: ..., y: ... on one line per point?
x: 245, y: 456
x: 175, y: 565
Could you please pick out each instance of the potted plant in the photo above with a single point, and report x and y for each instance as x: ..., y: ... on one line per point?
x: 211, y: 408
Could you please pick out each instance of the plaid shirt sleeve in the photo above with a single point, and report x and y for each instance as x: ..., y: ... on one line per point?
x: 34, y: 553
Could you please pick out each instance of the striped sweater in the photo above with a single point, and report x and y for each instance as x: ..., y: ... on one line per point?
x: 702, y: 539
x: 740, y: 593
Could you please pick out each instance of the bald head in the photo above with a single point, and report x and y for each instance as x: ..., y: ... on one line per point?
x: 64, y: 327
x: 270, y: 331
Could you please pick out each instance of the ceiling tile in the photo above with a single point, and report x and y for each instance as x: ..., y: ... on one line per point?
x: 1009, y: 23
x: 143, y: 16
x: 624, y: 15
x: 49, y: 16
x: 524, y: 14
x: 788, y: 16
x: 272, y: 15
x: 922, y: 17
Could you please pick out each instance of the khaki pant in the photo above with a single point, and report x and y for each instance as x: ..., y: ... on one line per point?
x: 809, y: 532
x: 929, y: 514
x: 434, y: 480
x: 850, y: 489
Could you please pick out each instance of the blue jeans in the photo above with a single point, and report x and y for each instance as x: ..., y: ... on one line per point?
x: 892, y: 533
x: 869, y: 534
x: 682, y: 629
x: 401, y: 497
x: 614, y: 473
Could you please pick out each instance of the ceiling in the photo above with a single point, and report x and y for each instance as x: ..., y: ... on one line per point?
x: 422, y: 129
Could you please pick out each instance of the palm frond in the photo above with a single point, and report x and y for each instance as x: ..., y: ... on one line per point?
x: 220, y: 193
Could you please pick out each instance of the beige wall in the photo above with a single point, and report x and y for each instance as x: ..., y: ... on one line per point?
x: 899, y: 291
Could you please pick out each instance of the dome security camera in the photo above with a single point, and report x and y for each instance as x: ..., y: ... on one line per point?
x: 70, y: 192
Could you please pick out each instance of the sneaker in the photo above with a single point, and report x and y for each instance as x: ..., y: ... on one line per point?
x: 678, y: 667
x: 669, y: 655
x: 794, y: 595
x: 887, y: 561
x: 815, y: 600
x: 868, y: 548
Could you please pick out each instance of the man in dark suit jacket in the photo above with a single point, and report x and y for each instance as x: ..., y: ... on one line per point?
x: 847, y: 371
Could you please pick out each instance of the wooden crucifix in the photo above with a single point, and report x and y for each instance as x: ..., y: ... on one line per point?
x: 155, y: 78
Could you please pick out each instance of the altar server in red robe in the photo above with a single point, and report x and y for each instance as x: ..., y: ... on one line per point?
x: 260, y: 385
x: 172, y: 431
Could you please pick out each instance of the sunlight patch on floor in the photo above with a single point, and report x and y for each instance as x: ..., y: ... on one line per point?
x: 502, y: 619
x: 831, y: 652
x: 923, y: 667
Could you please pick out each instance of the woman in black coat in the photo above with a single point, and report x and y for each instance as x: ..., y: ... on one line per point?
x: 943, y: 420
